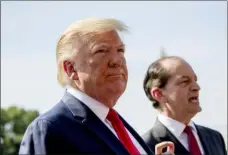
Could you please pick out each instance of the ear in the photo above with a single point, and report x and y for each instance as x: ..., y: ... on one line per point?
x: 156, y: 94
x: 69, y: 69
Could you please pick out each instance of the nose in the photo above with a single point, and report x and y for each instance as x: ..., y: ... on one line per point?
x: 116, y: 61
x: 195, y: 87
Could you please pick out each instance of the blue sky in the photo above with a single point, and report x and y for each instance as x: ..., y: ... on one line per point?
x: 196, y: 31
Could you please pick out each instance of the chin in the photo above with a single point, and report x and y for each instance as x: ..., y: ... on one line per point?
x: 117, y: 87
x: 111, y: 104
x: 199, y: 109
x: 117, y: 92
x: 195, y: 110
x: 114, y: 92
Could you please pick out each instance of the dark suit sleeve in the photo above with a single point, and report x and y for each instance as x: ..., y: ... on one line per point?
x: 35, y: 138
x: 223, y: 143
x: 216, y: 141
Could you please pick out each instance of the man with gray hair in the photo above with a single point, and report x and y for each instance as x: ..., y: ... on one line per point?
x: 92, y: 67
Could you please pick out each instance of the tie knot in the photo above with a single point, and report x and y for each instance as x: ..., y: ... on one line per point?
x: 188, y: 129
x: 112, y: 115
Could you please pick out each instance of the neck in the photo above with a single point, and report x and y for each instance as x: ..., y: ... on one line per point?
x: 106, y: 100
x: 178, y: 117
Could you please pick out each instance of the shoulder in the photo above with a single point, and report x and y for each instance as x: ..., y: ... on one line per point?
x: 47, y: 121
x: 212, y: 133
x: 158, y: 130
x: 208, y: 130
x: 147, y: 135
x: 151, y: 137
x: 55, y: 114
x: 213, y: 136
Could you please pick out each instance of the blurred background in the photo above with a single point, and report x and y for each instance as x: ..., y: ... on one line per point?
x: 196, y: 31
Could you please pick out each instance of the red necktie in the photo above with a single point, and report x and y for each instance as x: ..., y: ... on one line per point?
x: 193, y: 145
x: 121, y: 132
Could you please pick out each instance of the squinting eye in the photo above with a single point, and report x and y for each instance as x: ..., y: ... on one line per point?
x: 101, y: 51
x: 121, y: 50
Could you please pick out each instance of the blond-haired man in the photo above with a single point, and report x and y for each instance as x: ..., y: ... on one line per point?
x: 92, y: 67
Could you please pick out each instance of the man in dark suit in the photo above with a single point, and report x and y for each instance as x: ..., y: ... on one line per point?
x: 92, y: 67
x: 171, y: 84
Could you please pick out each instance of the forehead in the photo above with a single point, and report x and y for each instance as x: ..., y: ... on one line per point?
x: 178, y: 69
x: 111, y: 37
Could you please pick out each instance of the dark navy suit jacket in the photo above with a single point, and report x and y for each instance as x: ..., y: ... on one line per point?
x: 212, y: 141
x: 70, y: 127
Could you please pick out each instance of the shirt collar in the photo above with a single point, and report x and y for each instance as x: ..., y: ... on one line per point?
x: 174, y: 126
x: 100, y: 110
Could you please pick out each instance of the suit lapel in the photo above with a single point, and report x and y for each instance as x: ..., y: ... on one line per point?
x: 82, y: 113
x: 96, y: 126
x: 165, y: 135
x: 136, y: 136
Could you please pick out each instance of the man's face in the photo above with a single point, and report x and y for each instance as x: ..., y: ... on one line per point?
x: 182, y: 90
x: 101, y: 68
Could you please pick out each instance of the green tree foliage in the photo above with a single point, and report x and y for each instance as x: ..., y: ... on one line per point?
x: 14, y: 121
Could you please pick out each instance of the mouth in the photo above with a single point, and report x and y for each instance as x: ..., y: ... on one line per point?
x: 194, y: 99
x: 115, y: 76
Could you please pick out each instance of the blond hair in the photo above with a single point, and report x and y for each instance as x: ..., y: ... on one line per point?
x: 78, y: 34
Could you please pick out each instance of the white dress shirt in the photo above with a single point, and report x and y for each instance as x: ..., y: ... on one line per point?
x: 101, y: 111
x: 177, y: 129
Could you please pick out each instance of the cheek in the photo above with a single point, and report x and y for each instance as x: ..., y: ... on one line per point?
x: 96, y: 64
x: 97, y: 70
x: 174, y: 95
x: 125, y: 72
x: 182, y: 96
x: 124, y: 66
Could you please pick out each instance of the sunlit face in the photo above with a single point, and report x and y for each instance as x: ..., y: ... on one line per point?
x: 102, y: 70
x: 182, y: 90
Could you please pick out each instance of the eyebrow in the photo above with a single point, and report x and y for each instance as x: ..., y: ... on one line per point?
x: 187, y: 77
x: 121, y: 45
x: 107, y: 43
